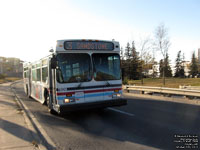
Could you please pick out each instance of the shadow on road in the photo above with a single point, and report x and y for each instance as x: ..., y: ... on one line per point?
x: 8, y: 103
x: 17, y: 130
x: 152, y: 126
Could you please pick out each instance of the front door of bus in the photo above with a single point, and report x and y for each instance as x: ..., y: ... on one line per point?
x: 52, y: 82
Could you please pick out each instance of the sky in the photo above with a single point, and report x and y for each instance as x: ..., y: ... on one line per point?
x: 29, y: 28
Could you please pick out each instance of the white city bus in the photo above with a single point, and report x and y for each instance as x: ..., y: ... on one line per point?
x: 78, y: 74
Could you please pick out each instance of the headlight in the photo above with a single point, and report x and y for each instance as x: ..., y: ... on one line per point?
x: 68, y: 100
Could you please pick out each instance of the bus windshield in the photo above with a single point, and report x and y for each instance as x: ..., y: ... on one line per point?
x: 106, y: 66
x: 73, y: 67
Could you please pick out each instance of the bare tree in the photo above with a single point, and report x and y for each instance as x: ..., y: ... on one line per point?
x: 145, y: 47
x: 162, y: 44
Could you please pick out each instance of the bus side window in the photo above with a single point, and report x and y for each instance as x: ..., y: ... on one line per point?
x: 38, y: 74
x: 25, y: 75
x: 34, y: 75
x: 44, y: 74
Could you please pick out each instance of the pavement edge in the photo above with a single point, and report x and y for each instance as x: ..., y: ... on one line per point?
x: 34, y: 125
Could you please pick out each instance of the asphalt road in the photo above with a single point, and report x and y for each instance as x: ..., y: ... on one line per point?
x: 142, y: 124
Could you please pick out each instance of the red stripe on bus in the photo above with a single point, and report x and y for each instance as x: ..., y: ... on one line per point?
x: 102, y: 90
x: 91, y: 91
x: 113, y: 89
x: 65, y: 93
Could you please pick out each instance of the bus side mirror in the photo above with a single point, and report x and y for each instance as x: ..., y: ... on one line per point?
x: 53, y: 62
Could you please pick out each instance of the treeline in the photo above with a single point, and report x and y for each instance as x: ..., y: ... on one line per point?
x: 141, y: 63
x: 135, y: 68
x: 130, y: 62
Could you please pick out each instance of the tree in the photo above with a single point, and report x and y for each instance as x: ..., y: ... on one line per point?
x: 122, y: 61
x: 127, y: 62
x: 145, y: 56
x: 135, y: 68
x: 162, y: 44
x: 131, y: 63
x: 194, y: 66
x: 165, y: 67
x: 122, y: 57
x: 128, y: 51
x: 121, y: 54
x: 179, y: 66
x: 161, y: 67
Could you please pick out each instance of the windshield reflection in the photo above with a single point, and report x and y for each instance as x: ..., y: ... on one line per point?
x: 73, y: 68
x: 76, y: 67
x: 106, y: 66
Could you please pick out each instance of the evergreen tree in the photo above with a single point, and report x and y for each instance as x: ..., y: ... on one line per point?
x: 131, y: 64
x: 135, y: 63
x: 128, y: 51
x: 165, y: 65
x: 194, y: 66
x: 179, y: 67
x: 168, y: 70
x: 161, y: 67
x: 127, y: 61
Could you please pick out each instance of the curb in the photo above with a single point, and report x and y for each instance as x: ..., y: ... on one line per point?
x: 45, y: 141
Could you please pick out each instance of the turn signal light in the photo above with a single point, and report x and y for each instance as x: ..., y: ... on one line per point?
x: 116, y: 91
x: 69, y: 95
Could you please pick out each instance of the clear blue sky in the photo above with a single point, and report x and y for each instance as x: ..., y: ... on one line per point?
x: 29, y: 27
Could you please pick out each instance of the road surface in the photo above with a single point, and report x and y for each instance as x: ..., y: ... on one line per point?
x: 142, y: 124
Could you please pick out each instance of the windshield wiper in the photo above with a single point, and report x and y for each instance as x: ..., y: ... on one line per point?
x: 78, y: 79
x: 108, y: 84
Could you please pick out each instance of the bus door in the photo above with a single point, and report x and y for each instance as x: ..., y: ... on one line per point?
x: 29, y: 81
x: 52, y: 82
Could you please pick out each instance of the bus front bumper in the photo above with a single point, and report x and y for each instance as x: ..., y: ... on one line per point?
x: 92, y: 105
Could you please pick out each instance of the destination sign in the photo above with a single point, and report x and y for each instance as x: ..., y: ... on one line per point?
x: 88, y: 45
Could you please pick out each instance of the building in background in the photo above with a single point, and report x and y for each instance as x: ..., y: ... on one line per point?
x: 154, y: 71
x: 12, y: 67
x: 173, y: 68
x: 186, y: 65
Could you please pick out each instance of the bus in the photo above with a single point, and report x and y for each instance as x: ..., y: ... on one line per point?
x: 77, y: 75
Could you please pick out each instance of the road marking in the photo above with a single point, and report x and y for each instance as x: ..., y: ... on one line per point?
x: 123, y: 112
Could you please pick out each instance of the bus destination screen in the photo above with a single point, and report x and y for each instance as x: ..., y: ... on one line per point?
x: 88, y: 45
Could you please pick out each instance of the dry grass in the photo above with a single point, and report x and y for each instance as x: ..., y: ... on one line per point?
x: 169, y: 82
x: 9, y: 79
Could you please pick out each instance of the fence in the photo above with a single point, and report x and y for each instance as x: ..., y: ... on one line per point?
x: 163, y: 90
